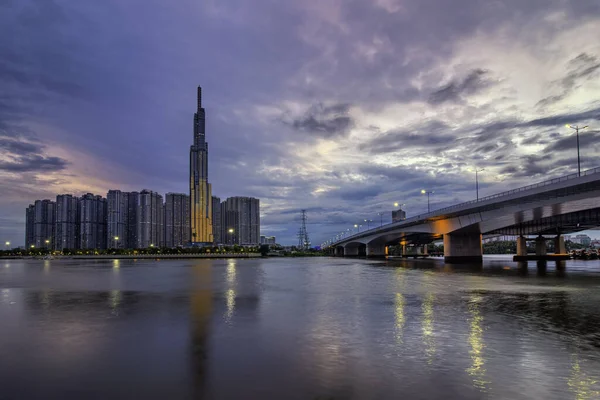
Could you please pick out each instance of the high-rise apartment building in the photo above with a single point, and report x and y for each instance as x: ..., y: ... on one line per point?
x: 398, y: 215
x: 216, y: 219
x: 177, y: 219
x: 267, y: 239
x: 200, y: 189
x: 29, y: 218
x: 92, y: 222
x: 150, y: 217
x: 67, y: 222
x: 133, y: 200
x: 43, y: 223
x: 117, y: 225
x: 240, y: 221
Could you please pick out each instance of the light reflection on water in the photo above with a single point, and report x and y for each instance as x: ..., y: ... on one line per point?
x: 332, y: 328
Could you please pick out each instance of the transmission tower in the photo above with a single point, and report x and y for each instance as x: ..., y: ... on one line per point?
x: 303, y: 241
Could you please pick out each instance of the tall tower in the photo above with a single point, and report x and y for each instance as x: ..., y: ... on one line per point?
x: 303, y: 241
x: 200, y: 189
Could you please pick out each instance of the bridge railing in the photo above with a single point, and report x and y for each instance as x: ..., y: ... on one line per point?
x: 493, y: 196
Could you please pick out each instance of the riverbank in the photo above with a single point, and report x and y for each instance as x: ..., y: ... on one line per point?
x: 137, y: 256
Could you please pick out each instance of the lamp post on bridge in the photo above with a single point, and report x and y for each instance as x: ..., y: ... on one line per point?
x: 368, y: 221
x: 477, y: 181
x: 576, y: 128
x: 427, y: 192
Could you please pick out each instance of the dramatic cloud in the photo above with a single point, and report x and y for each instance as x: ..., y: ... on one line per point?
x: 341, y: 108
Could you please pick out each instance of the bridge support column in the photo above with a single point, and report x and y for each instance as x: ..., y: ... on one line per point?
x: 339, y: 251
x: 540, y: 246
x: 403, y: 249
x: 559, y: 245
x: 423, y: 250
x: 463, y: 248
x: 521, y: 246
x: 376, y: 251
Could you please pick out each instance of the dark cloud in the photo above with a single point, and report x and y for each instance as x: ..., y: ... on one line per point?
x: 325, y: 121
x: 19, y: 147
x: 34, y: 163
x: 435, y: 135
x: 474, y: 82
x: 582, y: 68
x: 587, y: 140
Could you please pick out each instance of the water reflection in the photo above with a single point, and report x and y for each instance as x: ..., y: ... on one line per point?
x: 580, y: 383
x: 477, y: 368
x: 230, y: 294
x: 427, y: 327
x: 201, y: 307
x: 115, y: 298
x: 399, y: 303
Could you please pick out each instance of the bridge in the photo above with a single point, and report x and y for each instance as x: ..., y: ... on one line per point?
x: 551, y: 208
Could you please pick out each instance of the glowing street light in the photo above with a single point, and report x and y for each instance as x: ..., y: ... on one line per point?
x: 151, y: 244
x: 368, y: 221
x: 576, y: 128
x: 7, y: 244
x: 427, y: 192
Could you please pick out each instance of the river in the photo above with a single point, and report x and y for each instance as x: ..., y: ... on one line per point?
x: 298, y: 328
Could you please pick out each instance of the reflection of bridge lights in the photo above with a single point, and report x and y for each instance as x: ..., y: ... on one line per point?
x: 580, y: 383
x: 117, y: 263
x: 400, y: 318
x: 230, y: 299
x: 231, y: 272
x: 115, y: 298
x: 477, y: 368
x: 427, y: 327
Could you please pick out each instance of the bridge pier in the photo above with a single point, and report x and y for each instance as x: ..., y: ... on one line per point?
x: 540, y: 246
x: 559, y: 245
x: 376, y: 251
x: 463, y: 248
x: 521, y: 246
x: 339, y: 251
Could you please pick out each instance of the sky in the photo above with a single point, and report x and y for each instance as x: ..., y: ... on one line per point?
x: 338, y: 107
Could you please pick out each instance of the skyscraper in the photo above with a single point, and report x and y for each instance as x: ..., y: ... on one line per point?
x: 43, y: 223
x: 177, y: 220
x: 29, y: 218
x: 92, y: 222
x: 216, y: 219
x: 117, y: 226
x: 150, y: 217
x: 200, y: 189
x: 240, y: 218
x: 67, y: 222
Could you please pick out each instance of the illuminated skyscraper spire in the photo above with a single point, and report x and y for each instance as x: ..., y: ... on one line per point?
x: 200, y: 189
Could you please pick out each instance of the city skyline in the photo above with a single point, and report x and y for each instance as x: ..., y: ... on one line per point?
x: 341, y: 109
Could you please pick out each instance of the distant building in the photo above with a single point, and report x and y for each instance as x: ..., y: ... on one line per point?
x: 67, y: 222
x: 240, y: 221
x: 177, y: 219
x: 92, y: 222
x: 29, y: 227
x: 200, y: 189
x: 133, y: 200
x: 43, y: 223
x: 117, y: 227
x: 398, y: 215
x: 267, y: 239
x: 216, y: 219
x: 584, y: 240
x: 150, y: 218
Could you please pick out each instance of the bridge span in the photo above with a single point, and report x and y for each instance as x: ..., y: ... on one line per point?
x: 551, y: 208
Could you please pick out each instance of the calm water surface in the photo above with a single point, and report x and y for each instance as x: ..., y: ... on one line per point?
x: 321, y: 328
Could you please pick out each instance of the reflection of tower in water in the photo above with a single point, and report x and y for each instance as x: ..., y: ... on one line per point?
x: 201, y: 306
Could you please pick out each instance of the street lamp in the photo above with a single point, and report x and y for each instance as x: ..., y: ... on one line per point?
x: 368, y: 221
x: 151, y: 244
x: 7, y: 244
x: 576, y: 128
x: 380, y: 219
x: 427, y: 192
x: 477, y: 181
x: 357, y: 227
